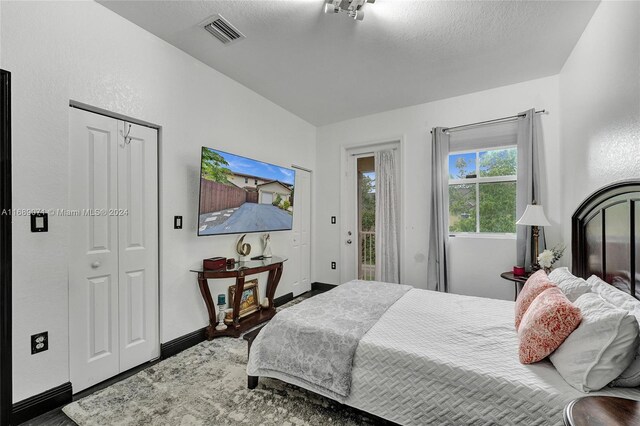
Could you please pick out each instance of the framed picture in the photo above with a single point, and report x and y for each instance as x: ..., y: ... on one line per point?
x: 249, y: 301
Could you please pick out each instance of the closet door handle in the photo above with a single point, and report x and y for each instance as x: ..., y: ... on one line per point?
x: 95, y: 264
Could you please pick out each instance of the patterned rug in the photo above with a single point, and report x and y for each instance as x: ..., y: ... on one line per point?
x: 207, y: 385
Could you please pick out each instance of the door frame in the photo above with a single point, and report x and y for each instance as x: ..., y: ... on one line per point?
x: 95, y: 110
x: 348, y: 187
x: 6, y: 381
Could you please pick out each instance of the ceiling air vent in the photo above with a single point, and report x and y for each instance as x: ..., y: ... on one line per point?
x: 221, y: 29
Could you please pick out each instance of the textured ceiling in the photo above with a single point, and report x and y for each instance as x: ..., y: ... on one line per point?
x: 328, y: 68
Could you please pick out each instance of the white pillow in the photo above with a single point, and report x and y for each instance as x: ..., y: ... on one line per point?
x: 602, y: 347
x: 572, y: 286
x: 630, y: 378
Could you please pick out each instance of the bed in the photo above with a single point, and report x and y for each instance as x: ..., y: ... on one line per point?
x: 437, y: 358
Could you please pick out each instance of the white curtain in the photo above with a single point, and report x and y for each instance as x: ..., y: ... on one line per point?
x: 387, y: 213
x: 528, y: 185
x: 437, y: 268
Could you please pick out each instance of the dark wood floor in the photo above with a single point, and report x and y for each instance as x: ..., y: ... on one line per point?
x: 52, y: 418
x: 58, y: 418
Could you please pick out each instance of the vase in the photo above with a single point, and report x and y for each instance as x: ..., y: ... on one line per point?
x: 266, y: 240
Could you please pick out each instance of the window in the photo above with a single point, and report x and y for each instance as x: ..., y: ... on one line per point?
x: 246, y: 180
x: 255, y: 181
x: 482, y: 191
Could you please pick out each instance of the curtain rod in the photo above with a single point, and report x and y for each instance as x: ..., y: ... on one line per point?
x: 369, y: 153
x: 496, y: 120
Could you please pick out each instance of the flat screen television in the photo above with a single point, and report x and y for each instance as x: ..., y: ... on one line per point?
x: 239, y: 195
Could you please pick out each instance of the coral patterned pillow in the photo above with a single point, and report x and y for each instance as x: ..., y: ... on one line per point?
x: 536, y: 284
x: 550, y: 319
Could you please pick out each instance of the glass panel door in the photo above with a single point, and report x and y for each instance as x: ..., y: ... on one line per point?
x: 366, y: 218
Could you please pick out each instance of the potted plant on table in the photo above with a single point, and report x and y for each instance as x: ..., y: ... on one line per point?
x: 548, y: 257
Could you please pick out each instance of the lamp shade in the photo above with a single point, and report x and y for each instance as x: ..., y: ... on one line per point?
x: 533, y: 216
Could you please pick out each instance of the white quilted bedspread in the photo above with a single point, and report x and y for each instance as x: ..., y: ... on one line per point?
x: 445, y: 359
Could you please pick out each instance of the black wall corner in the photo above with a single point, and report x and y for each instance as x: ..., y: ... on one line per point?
x: 181, y: 343
x: 322, y: 286
x: 5, y: 249
x: 43, y: 402
x: 279, y: 301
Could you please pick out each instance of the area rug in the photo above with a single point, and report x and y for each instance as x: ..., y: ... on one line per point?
x: 207, y: 385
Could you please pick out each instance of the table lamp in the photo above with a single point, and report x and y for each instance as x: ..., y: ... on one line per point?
x: 534, y: 216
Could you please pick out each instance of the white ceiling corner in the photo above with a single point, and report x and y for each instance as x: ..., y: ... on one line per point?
x: 329, y: 68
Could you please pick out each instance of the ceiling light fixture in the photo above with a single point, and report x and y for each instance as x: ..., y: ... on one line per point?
x: 354, y: 8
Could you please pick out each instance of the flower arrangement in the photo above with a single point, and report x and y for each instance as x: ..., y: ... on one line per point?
x: 547, y: 258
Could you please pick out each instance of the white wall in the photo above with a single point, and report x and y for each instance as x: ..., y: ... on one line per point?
x: 81, y: 51
x: 600, y: 105
x: 476, y: 262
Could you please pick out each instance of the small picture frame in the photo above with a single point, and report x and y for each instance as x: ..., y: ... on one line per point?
x: 250, y: 298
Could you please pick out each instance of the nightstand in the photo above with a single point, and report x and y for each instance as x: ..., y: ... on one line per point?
x: 515, y: 279
x: 602, y: 410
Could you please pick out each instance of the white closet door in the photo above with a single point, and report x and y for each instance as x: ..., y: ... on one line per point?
x: 138, y: 244
x: 300, y: 260
x: 93, y: 258
x: 305, y: 230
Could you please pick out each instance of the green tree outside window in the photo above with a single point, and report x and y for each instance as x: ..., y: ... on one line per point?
x: 496, y: 199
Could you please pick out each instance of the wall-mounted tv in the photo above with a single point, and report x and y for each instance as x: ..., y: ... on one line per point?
x: 240, y: 195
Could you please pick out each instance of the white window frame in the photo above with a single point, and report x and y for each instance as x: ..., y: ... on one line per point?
x: 477, y: 181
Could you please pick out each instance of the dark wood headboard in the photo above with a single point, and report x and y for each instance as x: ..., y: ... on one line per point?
x: 605, y: 236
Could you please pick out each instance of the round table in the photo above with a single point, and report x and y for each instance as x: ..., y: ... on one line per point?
x: 602, y: 410
x: 516, y: 279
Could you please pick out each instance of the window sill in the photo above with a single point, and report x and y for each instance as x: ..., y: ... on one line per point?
x: 483, y: 236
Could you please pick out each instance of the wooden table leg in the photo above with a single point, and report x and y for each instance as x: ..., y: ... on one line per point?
x: 211, y: 308
x: 272, y: 283
x: 237, y: 298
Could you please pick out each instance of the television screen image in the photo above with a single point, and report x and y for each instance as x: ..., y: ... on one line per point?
x: 239, y: 195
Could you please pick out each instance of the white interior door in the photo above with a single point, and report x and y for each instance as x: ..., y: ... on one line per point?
x: 113, y: 266
x: 138, y: 244
x: 93, y: 261
x: 301, y: 260
x: 349, y: 216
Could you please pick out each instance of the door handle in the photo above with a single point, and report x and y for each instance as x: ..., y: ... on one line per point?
x: 95, y: 264
x: 348, y: 241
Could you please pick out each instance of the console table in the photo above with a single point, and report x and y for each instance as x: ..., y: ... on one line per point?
x: 239, y: 271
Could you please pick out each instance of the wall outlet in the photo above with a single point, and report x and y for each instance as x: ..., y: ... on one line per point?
x: 177, y: 222
x: 333, y: 265
x: 39, y: 342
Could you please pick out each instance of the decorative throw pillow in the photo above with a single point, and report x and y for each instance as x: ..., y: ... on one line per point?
x: 630, y: 378
x: 572, y: 286
x: 549, y: 320
x: 602, y: 347
x: 536, y: 284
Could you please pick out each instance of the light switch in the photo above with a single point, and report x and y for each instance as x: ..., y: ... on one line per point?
x: 39, y: 222
x: 177, y: 222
